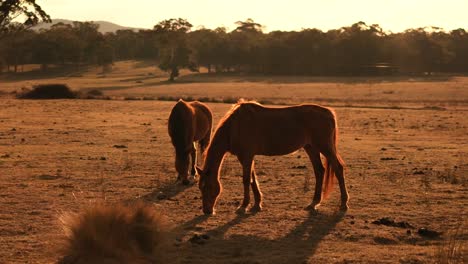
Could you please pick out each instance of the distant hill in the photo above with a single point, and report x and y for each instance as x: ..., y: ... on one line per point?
x: 104, y: 26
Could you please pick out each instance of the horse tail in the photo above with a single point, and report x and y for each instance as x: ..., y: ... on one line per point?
x: 179, y: 124
x: 333, y: 159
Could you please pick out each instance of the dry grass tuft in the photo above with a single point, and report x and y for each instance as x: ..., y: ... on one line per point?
x: 453, y: 250
x: 114, y: 234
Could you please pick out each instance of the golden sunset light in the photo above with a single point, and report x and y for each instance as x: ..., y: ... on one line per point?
x: 249, y: 131
x: 392, y: 15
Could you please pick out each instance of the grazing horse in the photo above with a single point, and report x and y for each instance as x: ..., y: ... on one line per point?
x: 188, y: 123
x: 250, y: 129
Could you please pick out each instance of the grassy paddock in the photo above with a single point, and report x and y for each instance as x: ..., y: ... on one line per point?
x: 401, y: 163
x: 136, y: 80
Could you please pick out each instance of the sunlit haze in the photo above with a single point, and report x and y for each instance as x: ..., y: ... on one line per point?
x: 391, y: 15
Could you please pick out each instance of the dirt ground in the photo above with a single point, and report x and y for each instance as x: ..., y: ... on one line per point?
x: 408, y: 163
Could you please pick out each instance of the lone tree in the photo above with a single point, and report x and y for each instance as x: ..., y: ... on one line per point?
x: 26, y: 11
x: 174, y: 52
x: 248, y: 26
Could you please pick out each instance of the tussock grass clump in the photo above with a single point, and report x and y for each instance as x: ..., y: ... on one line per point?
x: 131, y: 98
x: 114, y: 234
x: 453, y: 250
x: 168, y: 98
x: 48, y: 91
x: 230, y: 100
x: 95, y: 92
x: 208, y: 100
x: 205, y: 99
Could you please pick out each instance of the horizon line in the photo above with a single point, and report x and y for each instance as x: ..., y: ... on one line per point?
x: 198, y: 27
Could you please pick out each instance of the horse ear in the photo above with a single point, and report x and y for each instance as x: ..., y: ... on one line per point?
x: 199, y: 171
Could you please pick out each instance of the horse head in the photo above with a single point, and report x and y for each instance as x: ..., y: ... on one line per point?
x: 210, y: 188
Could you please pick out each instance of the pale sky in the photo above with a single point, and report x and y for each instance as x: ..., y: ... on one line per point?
x: 391, y: 15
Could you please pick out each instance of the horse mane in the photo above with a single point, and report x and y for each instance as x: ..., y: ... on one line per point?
x: 225, y: 122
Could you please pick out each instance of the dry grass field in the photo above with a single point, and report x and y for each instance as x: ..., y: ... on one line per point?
x: 404, y: 141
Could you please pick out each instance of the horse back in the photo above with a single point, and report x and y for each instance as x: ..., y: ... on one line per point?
x: 203, y: 120
x: 279, y: 130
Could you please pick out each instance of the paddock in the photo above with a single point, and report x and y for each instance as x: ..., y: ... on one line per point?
x: 406, y: 164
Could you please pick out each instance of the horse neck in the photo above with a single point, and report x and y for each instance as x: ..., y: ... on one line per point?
x: 216, y: 151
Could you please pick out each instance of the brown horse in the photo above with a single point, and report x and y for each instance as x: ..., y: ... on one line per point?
x: 188, y: 123
x: 250, y: 129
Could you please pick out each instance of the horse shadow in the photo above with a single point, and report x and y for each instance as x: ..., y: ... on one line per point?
x: 298, y: 246
x: 167, y: 191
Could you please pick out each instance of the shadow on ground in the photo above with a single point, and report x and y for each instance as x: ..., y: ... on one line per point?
x: 53, y: 72
x: 298, y: 246
x: 165, y: 192
x: 239, y: 77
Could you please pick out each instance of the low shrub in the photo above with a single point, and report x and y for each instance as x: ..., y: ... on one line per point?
x: 48, y: 91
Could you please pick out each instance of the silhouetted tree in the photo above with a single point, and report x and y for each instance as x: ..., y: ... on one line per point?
x: 414, y: 51
x: 244, y: 45
x: 125, y: 44
x: 105, y: 56
x: 174, y: 52
x: 458, y: 47
x: 15, y: 47
x: 45, y: 51
x: 207, y: 46
x: 147, y: 47
x: 354, y: 50
x: 357, y: 46
x: 88, y: 33
x: 248, y: 26
x: 68, y: 45
x: 14, y: 9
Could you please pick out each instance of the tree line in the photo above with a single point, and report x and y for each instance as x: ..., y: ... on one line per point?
x: 359, y: 49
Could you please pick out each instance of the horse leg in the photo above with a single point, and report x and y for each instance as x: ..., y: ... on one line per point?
x: 193, y: 154
x: 256, y: 191
x: 246, y: 174
x: 319, y: 170
x: 204, y: 142
x: 339, y: 172
x: 182, y: 164
x: 337, y: 165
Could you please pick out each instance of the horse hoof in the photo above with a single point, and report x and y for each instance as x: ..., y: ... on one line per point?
x: 255, y: 209
x: 241, y: 210
x: 344, y: 208
x: 188, y: 181
x: 210, y: 213
x: 312, y: 207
